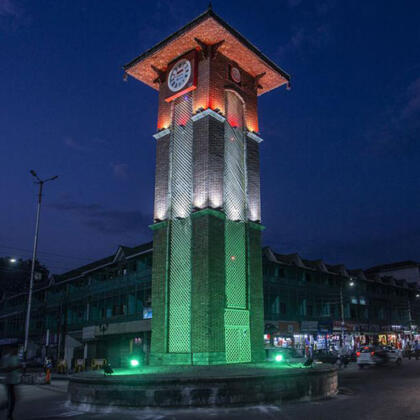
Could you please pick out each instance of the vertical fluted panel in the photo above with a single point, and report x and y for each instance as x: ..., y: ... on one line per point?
x: 180, y: 242
x: 162, y: 178
x: 235, y: 177
x: 181, y: 182
x: 253, y: 178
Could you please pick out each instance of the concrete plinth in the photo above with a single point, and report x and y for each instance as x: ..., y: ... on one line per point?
x: 204, y: 386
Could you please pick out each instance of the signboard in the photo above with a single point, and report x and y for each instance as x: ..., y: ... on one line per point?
x: 309, y: 326
x: 325, y: 326
x: 288, y: 327
x: 348, y: 326
x: 88, y: 333
x: 147, y: 313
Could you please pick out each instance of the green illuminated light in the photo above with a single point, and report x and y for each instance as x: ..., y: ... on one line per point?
x: 134, y: 362
x: 279, y: 358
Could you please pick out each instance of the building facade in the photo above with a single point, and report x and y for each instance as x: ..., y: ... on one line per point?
x: 103, y: 310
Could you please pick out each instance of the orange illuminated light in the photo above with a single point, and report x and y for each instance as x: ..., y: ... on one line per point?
x: 180, y: 93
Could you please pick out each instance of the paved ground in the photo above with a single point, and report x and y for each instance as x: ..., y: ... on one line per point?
x: 369, y: 394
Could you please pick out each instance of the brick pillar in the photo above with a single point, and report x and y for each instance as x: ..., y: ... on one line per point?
x: 208, y: 288
x: 256, y: 297
x: 159, y: 292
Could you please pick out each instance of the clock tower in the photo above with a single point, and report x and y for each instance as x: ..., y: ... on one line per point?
x: 207, y: 295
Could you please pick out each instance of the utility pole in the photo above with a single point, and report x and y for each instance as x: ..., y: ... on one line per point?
x: 41, y: 183
x: 342, y: 314
x: 410, y: 318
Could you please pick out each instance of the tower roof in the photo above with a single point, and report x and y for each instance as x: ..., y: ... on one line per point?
x: 210, y: 29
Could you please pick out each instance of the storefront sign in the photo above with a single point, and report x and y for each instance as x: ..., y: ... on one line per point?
x: 147, y: 313
x: 8, y: 341
x: 309, y: 326
x: 325, y: 326
x: 88, y: 333
x: 348, y: 326
x: 288, y: 327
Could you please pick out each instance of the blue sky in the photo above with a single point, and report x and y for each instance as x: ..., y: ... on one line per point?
x: 341, y: 152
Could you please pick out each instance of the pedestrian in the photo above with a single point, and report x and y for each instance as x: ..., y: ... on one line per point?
x: 407, y: 349
x: 47, y: 368
x: 417, y: 349
x: 10, y: 365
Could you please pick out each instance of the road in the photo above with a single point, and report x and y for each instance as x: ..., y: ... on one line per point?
x: 378, y: 393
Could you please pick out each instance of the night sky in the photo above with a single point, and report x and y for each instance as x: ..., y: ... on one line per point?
x: 341, y: 153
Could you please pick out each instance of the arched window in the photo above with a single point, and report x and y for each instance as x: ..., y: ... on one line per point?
x: 234, y: 109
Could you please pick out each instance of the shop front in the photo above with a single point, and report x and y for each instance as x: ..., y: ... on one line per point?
x: 280, y: 333
x: 324, y: 335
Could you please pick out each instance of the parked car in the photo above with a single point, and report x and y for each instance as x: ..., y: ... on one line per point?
x: 373, y: 356
x: 326, y: 356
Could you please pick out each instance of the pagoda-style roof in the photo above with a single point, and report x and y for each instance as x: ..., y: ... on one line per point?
x: 210, y: 29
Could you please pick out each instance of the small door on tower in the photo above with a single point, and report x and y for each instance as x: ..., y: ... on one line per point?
x: 237, y: 337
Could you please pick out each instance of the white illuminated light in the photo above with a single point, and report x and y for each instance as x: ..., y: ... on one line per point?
x: 351, y: 283
x: 12, y: 260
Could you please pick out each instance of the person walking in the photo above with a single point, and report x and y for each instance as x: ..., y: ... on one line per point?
x: 10, y: 365
x: 417, y: 349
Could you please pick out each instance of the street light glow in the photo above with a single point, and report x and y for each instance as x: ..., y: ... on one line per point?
x: 279, y: 358
x: 12, y: 260
x: 351, y: 284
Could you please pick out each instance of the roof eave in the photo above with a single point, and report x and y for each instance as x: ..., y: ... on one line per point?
x: 201, y: 18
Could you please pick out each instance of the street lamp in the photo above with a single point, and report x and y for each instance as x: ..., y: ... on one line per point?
x: 351, y: 284
x: 41, y: 183
x: 12, y: 260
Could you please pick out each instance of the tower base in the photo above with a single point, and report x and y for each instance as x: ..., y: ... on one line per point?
x: 201, y: 386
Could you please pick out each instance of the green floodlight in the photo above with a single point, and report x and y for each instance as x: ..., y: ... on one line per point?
x: 134, y: 362
x: 279, y: 358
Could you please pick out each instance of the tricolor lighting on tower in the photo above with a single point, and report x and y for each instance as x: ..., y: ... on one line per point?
x: 207, y: 277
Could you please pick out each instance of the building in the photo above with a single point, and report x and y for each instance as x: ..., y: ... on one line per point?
x: 303, y: 297
x: 407, y: 270
x: 99, y: 310
x: 207, y: 278
x: 103, y: 309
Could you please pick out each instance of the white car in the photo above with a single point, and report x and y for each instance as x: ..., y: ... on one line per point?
x: 370, y: 355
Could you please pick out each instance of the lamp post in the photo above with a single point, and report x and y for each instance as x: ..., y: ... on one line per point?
x: 351, y: 284
x: 41, y: 183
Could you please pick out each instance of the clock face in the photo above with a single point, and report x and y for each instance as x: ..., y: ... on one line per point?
x: 235, y: 74
x: 179, y: 75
